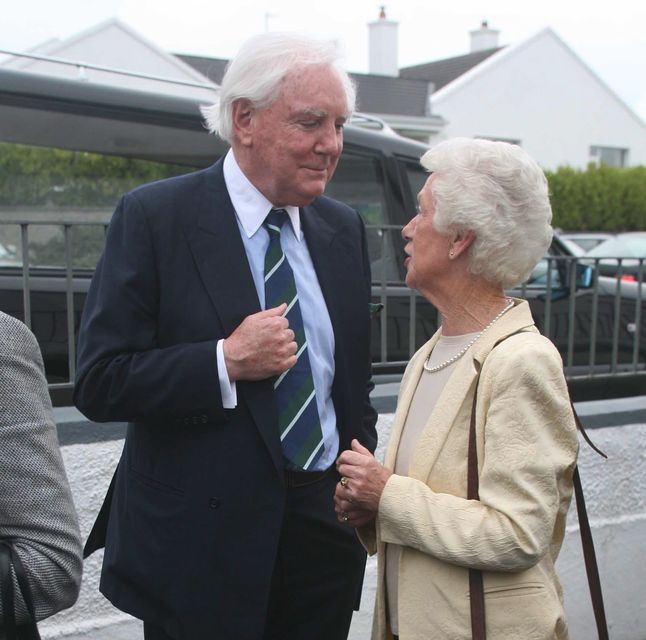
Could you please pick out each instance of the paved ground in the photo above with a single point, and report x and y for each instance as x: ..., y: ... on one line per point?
x: 132, y: 629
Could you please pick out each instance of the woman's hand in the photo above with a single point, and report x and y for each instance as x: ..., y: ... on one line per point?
x: 357, y: 495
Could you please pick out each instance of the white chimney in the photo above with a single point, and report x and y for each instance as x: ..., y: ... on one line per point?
x: 382, y: 42
x: 484, y: 38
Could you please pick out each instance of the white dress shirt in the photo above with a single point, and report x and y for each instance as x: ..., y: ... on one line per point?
x: 251, y: 208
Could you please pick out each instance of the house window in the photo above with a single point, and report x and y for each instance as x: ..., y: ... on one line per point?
x: 611, y: 156
x: 359, y: 182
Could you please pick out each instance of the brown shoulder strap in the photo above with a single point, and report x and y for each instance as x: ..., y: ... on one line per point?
x: 476, y: 587
x: 589, y: 555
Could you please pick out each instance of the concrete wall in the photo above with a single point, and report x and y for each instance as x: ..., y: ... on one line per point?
x: 615, y: 492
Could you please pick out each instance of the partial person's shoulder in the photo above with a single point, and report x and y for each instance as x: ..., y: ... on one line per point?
x: 15, y: 336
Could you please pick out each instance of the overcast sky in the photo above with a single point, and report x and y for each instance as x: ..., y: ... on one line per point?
x: 609, y: 37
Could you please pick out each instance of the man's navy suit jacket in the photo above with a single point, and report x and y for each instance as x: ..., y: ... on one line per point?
x: 199, y: 495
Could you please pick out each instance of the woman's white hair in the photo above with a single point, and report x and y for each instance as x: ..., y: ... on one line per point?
x: 500, y: 193
x: 256, y: 72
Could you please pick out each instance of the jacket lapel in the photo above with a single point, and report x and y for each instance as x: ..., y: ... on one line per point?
x: 319, y: 236
x: 442, y: 419
x: 214, y: 238
x: 406, y: 393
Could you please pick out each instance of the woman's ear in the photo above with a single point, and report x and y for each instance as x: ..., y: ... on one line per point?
x: 462, y: 240
x: 242, y: 118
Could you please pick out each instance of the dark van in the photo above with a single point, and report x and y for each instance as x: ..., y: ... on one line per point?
x: 69, y: 149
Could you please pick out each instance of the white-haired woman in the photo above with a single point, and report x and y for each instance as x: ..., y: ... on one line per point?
x: 482, y: 224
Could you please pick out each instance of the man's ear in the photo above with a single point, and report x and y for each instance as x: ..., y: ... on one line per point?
x: 242, y: 119
x: 462, y: 240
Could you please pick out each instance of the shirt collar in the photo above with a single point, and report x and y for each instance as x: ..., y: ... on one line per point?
x: 250, y: 205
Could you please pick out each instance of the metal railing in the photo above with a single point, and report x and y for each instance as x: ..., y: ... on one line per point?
x: 597, y: 326
x: 25, y: 219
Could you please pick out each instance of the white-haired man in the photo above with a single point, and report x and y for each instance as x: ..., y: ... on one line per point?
x: 228, y: 323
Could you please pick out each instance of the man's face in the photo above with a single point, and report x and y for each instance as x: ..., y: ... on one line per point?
x: 290, y: 149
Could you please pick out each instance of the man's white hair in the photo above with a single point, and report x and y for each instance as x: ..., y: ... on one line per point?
x: 256, y: 72
x: 500, y: 193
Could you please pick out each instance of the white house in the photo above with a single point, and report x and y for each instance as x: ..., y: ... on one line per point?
x: 108, y: 49
x: 537, y: 93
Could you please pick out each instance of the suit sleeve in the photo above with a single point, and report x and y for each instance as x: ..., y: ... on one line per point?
x: 123, y: 373
x: 36, y: 507
x: 530, y: 449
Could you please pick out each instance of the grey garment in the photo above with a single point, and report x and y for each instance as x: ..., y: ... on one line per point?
x: 36, y: 507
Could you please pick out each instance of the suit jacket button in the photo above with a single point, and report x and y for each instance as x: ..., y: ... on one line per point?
x: 204, y: 419
x: 187, y: 421
x: 214, y: 503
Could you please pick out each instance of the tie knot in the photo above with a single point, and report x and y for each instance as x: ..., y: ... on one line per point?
x: 275, y: 218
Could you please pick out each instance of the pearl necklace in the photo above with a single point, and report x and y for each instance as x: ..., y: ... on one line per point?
x: 459, y: 354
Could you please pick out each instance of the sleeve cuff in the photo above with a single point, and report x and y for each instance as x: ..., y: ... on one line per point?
x: 227, y: 388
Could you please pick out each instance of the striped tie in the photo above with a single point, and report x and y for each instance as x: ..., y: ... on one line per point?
x: 298, y: 418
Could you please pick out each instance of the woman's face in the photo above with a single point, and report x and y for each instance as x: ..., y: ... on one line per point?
x: 426, y: 248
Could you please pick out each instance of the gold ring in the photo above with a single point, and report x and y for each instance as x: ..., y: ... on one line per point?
x: 344, y: 481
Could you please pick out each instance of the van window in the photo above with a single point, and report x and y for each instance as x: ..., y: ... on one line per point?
x: 41, y: 184
x: 417, y: 177
x: 359, y: 183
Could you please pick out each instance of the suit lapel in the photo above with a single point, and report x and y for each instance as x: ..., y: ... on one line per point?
x: 319, y: 236
x: 214, y: 238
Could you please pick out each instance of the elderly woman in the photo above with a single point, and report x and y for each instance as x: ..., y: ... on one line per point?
x: 483, y: 222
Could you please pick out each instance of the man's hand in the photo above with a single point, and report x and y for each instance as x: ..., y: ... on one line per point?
x: 261, y: 346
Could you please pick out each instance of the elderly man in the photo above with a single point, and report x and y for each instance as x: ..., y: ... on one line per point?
x: 228, y: 323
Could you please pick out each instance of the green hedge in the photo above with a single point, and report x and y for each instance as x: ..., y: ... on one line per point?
x: 598, y: 199
x: 42, y: 177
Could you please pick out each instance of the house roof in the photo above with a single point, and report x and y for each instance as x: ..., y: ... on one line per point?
x: 375, y: 93
x: 441, y: 72
x: 392, y: 95
x: 104, y: 56
x: 212, y: 68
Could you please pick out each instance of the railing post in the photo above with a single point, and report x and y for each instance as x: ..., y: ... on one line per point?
x: 638, y: 314
x: 69, y: 295
x: 383, y: 298
x: 594, y: 317
x: 26, y: 293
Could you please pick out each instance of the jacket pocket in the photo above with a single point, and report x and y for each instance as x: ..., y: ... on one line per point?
x: 516, y: 590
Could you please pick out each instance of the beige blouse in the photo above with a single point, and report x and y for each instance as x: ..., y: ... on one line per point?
x: 426, y: 395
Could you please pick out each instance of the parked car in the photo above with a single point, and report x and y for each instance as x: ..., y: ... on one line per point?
x: 621, y: 255
x: 586, y: 240
x: 69, y: 149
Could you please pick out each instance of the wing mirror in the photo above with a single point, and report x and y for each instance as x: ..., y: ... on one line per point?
x: 580, y: 275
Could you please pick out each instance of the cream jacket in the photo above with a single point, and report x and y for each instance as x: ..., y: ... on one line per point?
x: 527, y: 448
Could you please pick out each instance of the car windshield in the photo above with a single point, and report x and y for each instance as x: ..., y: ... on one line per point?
x: 586, y: 241
x: 624, y: 246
